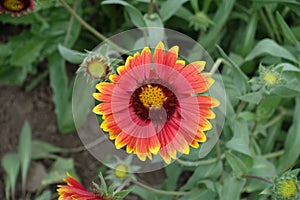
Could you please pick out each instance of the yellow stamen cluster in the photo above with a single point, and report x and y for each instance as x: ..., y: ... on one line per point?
x: 121, y: 171
x: 152, y: 97
x: 288, y: 188
x: 14, y: 5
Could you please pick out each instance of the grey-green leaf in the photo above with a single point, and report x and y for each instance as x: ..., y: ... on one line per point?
x: 238, y: 167
x: 253, y: 97
x: 58, y: 171
x: 41, y: 149
x: 270, y: 47
x: 232, y: 188
x: 70, y: 55
x: 29, y: 52
x: 291, y: 146
x: 136, y: 16
x: 287, y: 32
x: 24, y: 151
x: 11, y: 165
x: 240, y: 139
x: 170, y: 7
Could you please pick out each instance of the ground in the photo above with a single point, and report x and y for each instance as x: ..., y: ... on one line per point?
x: 37, y: 107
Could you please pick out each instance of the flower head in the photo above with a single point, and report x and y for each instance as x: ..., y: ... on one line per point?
x: 74, y: 190
x: 287, y: 186
x: 16, y: 7
x: 153, y: 105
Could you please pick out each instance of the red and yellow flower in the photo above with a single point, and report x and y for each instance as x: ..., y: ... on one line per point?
x: 153, y: 105
x: 16, y: 7
x: 75, y: 191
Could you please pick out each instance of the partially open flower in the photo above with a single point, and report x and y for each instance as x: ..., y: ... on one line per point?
x: 286, y: 187
x: 74, y: 190
x: 96, y: 67
x: 154, y: 104
x: 16, y: 7
x: 121, y: 171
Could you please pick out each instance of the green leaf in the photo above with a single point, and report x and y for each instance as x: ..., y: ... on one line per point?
x: 24, y: 151
x: 232, y: 188
x: 270, y: 47
x: 61, y: 91
x: 72, y: 56
x: 58, y: 171
x: 170, y: 7
x: 211, y: 171
x: 263, y: 168
x: 241, y: 77
x: 206, y: 194
x: 254, y: 97
x: 173, y: 172
x: 291, y: 146
x: 41, y: 149
x: 134, y: 14
x: 12, y: 75
x: 219, y: 19
x: 287, y: 32
x: 121, y: 195
x: 46, y: 195
x: 103, y: 186
x: 155, y: 34
x: 238, y: 167
x: 267, y: 107
x: 11, y: 166
x: 27, y: 53
x: 240, y: 140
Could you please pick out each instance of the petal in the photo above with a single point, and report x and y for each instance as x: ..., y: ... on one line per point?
x: 159, y: 53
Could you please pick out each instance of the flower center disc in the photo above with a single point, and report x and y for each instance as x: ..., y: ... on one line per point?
x: 153, y: 102
x: 15, y: 5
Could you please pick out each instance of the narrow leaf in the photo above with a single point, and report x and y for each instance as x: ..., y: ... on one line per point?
x: 170, y: 7
x: 59, y: 85
x: 11, y: 166
x: 291, y: 146
x: 24, y: 151
x: 270, y: 47
x: 286, y: 29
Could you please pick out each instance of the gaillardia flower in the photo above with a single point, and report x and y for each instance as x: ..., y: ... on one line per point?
x: 153, y: 105
x: 74, y: 190
x: 16, y: 6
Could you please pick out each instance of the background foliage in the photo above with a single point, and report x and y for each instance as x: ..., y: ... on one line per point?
x: 248, y: 41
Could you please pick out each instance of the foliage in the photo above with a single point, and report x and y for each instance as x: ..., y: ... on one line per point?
x: 257, y: 43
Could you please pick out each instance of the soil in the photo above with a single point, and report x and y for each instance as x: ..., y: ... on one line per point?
x: 37, y: 108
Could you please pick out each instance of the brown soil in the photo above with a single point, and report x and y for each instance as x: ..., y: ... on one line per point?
x: 37, y: 107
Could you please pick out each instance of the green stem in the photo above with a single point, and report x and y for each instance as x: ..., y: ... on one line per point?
x: 200, y: 162
x: 70, y: 25
x: 213, y: 160
x: 217, y: 64
x: 164, y: 192
x: 274, y: 154
x: 150, y: 8
x: 90, y: 28
x: 258, y: 178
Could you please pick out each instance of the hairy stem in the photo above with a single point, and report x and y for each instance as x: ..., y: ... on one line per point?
x: 90, y: 28
x: 164, y: 192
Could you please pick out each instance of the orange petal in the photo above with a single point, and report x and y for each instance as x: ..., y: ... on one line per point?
x: 159, y: 53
